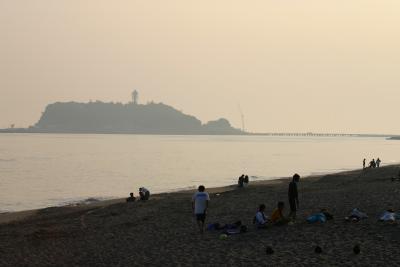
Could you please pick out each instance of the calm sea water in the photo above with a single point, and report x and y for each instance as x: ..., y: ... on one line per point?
x: 42, y: 170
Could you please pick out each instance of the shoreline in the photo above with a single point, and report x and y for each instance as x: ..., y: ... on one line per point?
x: 272, y: 134
x: 96, y: 200
x: 15, y: 216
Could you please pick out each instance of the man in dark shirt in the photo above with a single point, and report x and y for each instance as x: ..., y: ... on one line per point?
x: 131, y: 198
x: 293, y: 196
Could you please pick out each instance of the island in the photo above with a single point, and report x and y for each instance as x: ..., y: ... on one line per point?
x: 117, y: 118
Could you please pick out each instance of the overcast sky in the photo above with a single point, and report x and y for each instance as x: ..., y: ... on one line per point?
x: 292, y: 65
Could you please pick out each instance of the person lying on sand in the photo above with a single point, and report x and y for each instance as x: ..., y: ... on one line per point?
x: 261, y: 220
x: 131, y: 198
x: 277, y: 217
x: 388, y: 216
x: 218, y: 226
x: 398, y: 177
x: 321, y: 217
x: 144, y: 193
x: 356, y: 215
x: 199, y: 206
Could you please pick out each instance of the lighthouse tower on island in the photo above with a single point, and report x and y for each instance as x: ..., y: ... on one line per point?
x: 135, y: 97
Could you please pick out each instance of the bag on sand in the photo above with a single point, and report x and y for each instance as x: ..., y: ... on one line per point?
x: 242, y: 229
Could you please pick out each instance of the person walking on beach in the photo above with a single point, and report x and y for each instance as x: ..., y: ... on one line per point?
x: 293, y: 197
x: 199, y: 206
x: 364, y: 163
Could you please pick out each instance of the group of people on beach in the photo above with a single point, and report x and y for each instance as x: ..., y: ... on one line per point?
x: 373, y: 163
x: 243, y: 180
x: 201, y: 199
x: 144, y: 194
x: 277, y: 217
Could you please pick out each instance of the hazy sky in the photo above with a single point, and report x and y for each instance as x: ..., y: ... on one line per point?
x: 293, y: 65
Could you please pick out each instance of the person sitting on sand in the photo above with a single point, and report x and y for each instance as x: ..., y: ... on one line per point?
x: 293, y: 196
x: 131, y: 198
x: 261, y: 220
x: 199, y: 206
x: 144, y: 194
x: 372, y: 163
x: 277, y: 217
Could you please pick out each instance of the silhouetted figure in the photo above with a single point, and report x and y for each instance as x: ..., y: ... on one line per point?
x: 241, y: 181
x: 131, y: 198
x: 378, y: 162
x: 144, y: 194
x: 372, y: 163
x: 199, y: 206
x: 364, y: 163
x: 293, y: 196
x: 246, y: 180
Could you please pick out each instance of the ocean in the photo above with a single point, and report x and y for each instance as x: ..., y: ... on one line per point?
x: 45, y: 170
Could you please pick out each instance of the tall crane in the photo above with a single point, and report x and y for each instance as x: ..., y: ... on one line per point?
x: 242, y: 117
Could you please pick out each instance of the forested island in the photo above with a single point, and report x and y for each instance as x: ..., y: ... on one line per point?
x: 118, y: 118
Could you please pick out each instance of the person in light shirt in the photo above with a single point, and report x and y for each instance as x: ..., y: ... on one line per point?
x: 199, y: 206
x: 261, y: 220
x: 144, y: 194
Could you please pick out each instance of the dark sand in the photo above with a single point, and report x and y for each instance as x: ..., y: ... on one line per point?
x: 162, y: 231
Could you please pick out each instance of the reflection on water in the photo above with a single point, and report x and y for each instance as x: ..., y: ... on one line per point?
x: 40, y: 170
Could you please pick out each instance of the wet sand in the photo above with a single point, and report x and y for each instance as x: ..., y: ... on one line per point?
x: 162, y: 231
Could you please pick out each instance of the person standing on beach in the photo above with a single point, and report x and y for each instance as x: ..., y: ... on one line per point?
x: 293, y: 196
x: 241, y: 181
x: 378, y: 162
x: 364, y: 163
x: 199, y: 206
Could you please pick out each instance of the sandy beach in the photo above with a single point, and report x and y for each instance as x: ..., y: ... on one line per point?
x: 162, y: 231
